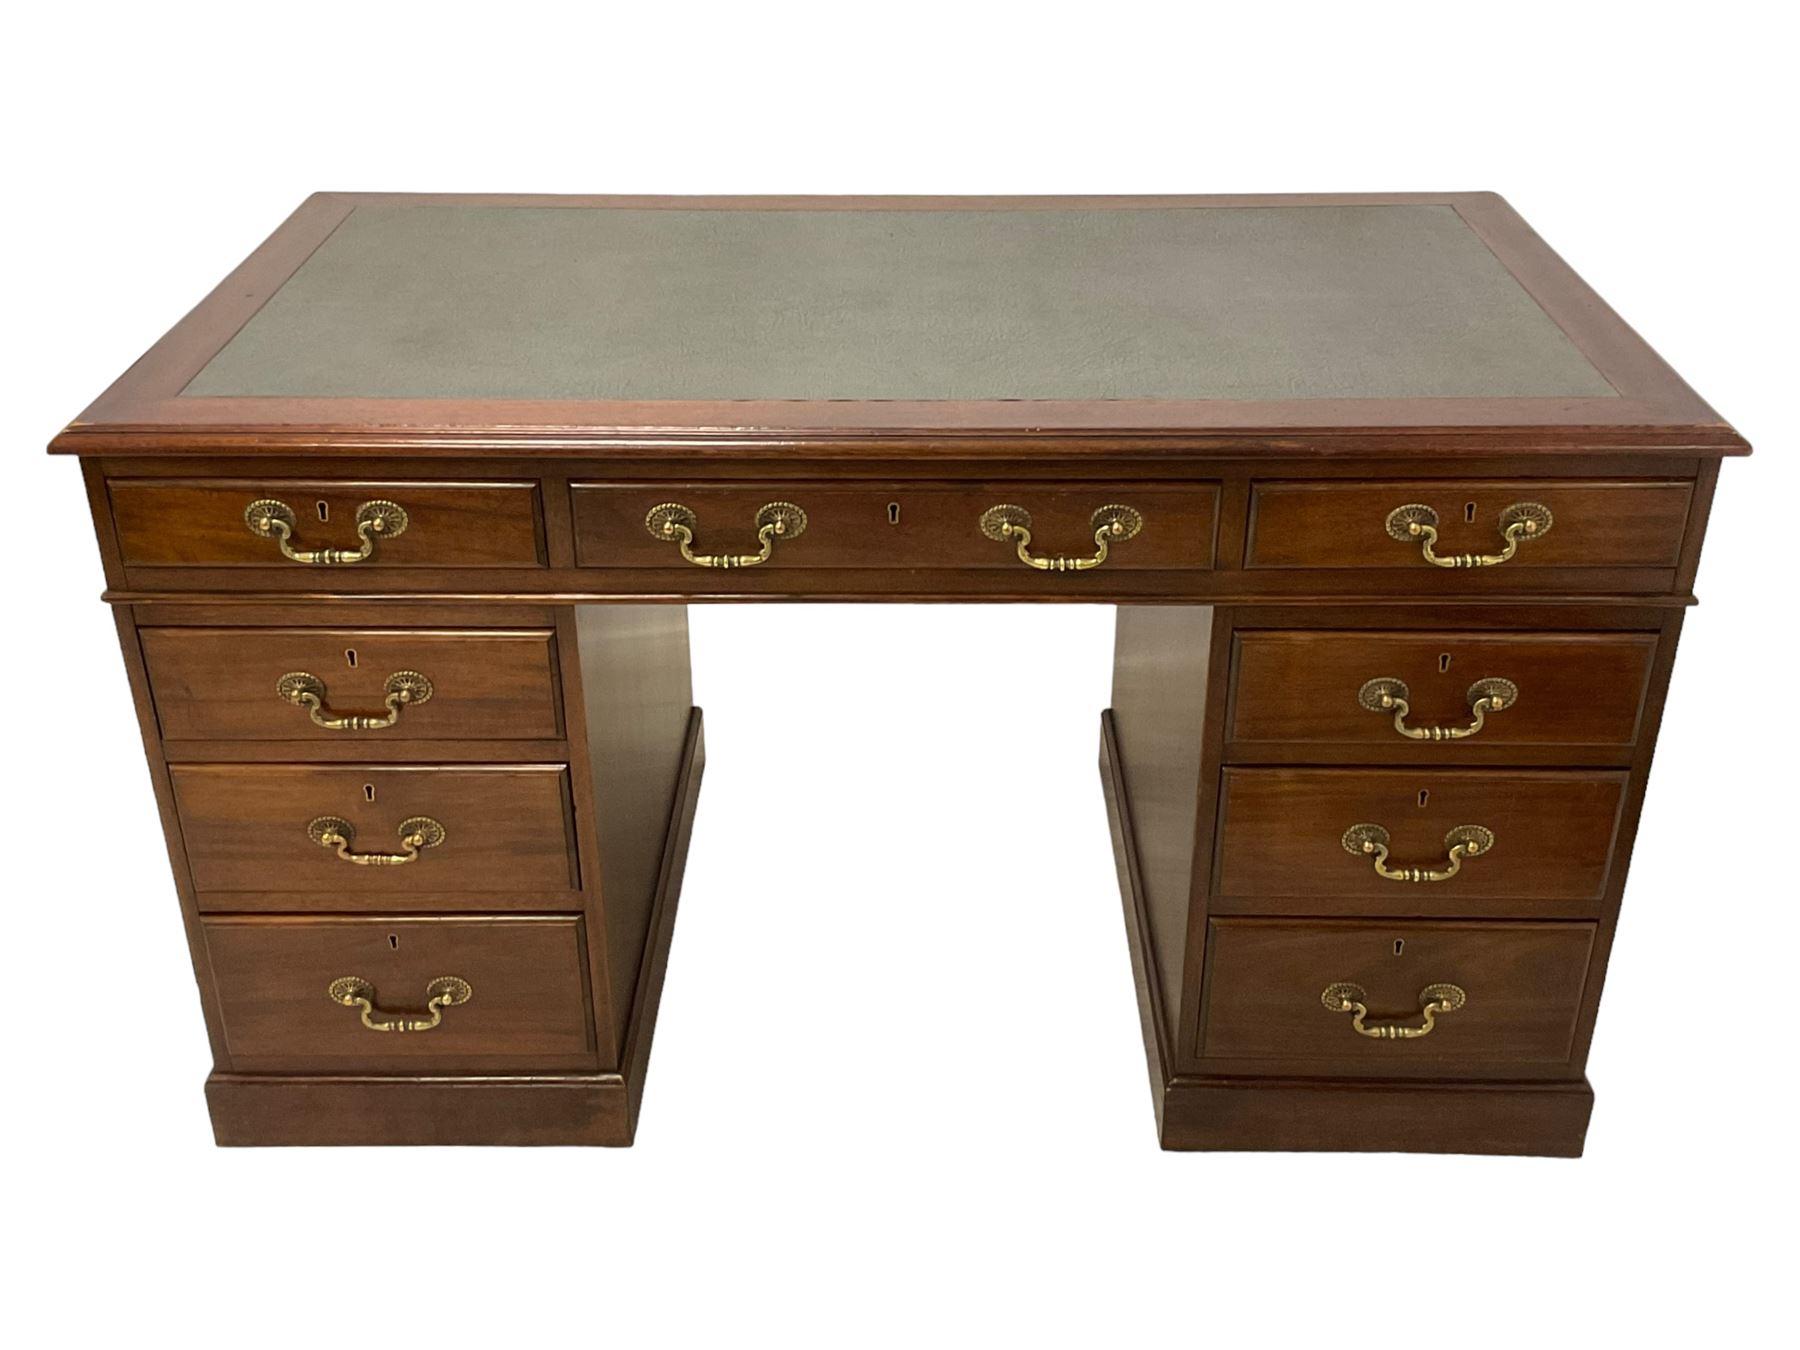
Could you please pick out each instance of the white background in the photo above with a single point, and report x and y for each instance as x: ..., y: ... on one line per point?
x: 898, y: 1093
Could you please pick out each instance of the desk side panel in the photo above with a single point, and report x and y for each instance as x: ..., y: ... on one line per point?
x: 636, y: 695
x: 1160, y: 668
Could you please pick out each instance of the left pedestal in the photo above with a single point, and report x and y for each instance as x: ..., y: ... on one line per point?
x: 428, y: 855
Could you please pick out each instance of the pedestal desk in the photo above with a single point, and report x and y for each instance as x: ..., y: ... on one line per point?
x: 401, y: 523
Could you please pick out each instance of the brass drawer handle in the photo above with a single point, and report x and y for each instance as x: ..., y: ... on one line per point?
x: 270, y: 519
x: 1465, y: 841
x: 446, y: 991
x: 416, y: 833
x: 1012, y: 524
x: 776, y: 520
x: 1434, y: 1001
x: 1518, y: 522
x: 404, y: 688
x: 1385, y: 694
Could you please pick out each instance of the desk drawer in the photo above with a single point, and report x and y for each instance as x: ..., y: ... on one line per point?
x: 250, y: 827
x: 1345, y: 524
x: 527, y: 1004
x: 169, y: 522
x: 1282, y: 840
x: 1567, y: 689
x: 1522, y: 985
x: 895, y: 526
x: 239, y: 684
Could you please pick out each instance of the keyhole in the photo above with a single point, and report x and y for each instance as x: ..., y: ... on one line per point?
x: 1424, y: 796
x: 1399, y: 945
x: 1443, y: 663
x: 369, y: 792
x: 893, y: 513
x: 394, y: 943
x: 350, y: 657
x: 1469, y: 512
x: 324, y: 510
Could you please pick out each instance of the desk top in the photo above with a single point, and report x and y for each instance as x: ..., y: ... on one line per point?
x: 758, y: 325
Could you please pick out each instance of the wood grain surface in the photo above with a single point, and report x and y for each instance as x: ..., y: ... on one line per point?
x: 1281, y: 830
x: 1344, y: 524
x: 219, y: 683
x: 528, y: 1012
x: 180, y: 523
x: 1575, y: 689
x: 1523, y: 981
x: 506, y: 827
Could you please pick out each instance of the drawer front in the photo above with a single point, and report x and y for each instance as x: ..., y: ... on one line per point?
x: 1572, y: 689
x: 1344, y: 524
x: 1522, y: 985
x: 202, y: 523
x: 1282, y: 840
x: 527, y: 1005
x: 896, y: 526
x: 238, y: 684
x: 247, y: 827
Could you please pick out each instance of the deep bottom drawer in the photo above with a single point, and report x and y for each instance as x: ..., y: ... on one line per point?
x: 525, y: 979
x: 1521, y: 983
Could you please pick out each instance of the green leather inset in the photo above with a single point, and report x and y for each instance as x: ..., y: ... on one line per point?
x: 1262, y: 303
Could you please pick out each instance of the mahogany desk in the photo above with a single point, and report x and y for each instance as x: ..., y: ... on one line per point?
x: 400, y: 525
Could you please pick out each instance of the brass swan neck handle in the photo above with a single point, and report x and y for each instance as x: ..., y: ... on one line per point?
x: 1111, y: 525
x: 1434, y: 1001
x: 1416, y: 522
x: 416, y: 833
x: 1372, y: 841
x: 402, y: 689
x: 1385, y: 694
x: 446, y: 991
x: 271, y: 519
x: 676, y: 523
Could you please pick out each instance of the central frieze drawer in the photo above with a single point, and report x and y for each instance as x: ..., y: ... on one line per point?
x: 1520, y: 987
x: 1293, y: 840
x: 933, y: 526
x: 328, y: 524
x: 270, y: 828
x: 1573, y: 523
x: 335, y: 685
x: 518, y: 1001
